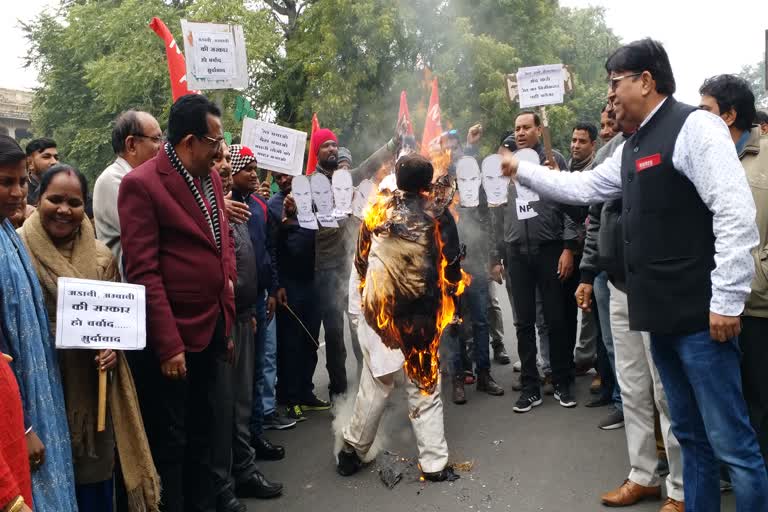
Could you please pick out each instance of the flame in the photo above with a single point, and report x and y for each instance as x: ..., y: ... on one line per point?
x: 422, y: 364
x: 441, y: 160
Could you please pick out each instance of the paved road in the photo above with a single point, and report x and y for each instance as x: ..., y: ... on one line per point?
x: 549, y: 460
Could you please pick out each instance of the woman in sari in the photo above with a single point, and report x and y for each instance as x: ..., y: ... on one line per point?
x: 61, y: 243
x: 24, y: 324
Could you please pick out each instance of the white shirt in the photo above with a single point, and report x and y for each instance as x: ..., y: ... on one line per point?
x: 105, y: 206
x: 705, y: 154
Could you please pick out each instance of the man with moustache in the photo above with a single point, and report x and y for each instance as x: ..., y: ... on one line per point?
x: 42, y: 154
x: 688, y: 230
x: 176, y: 244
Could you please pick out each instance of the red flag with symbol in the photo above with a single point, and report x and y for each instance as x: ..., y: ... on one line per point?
x: 432, y: 126
x: 404, y: 115
x: 312, y: 158
x: 177, y: 67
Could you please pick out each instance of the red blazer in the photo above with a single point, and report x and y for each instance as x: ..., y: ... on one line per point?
x: 169, y: 248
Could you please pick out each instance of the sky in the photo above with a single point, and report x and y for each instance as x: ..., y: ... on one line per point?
x: 701, y: 37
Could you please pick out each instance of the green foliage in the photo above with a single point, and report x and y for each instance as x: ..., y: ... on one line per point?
x: 755, y: 76
x: 347, y: 60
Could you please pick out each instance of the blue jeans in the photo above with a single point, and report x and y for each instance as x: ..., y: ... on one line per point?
x: 702, y: 379
x: 269, y: 373
x: 602, y: 299
x: 476, y: 296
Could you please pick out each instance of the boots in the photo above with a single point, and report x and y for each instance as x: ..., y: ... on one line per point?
x: 486, y: 383
x: 459, y: 396
x: 500, y: 353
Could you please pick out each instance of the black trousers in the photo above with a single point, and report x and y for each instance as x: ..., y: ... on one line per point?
x: 754, y: 344
x: 179, y: 420
x: 526, y: 271
x: 296, y: 351
x: 331, y: 290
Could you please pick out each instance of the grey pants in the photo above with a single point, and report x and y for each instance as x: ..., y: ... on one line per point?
x: 243, y: 455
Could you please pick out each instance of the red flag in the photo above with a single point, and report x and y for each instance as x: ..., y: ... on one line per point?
x: 404, y: 114
x: 432, y: 126
x: 177, y: 67
x: 312, y: 159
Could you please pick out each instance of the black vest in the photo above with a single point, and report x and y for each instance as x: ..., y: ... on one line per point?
x: 669, y: 244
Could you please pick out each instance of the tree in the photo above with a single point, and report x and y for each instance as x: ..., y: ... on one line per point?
x: 755, y: 76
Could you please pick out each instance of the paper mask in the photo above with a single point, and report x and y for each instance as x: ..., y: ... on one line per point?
x: 323, y: 198
x: 495, y: 183
x: 468, y: 177
x: 302, y: 194
x: 342, y: 193
x: 361, y: 197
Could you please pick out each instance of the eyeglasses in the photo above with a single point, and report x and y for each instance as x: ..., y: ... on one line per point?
x: 215, y: 143
x: 613, y: 82
x: 157, y: 139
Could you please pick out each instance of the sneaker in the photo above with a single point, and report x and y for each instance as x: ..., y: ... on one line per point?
x: 516, y: 366
x: 315, y: 404
x: 613, y: 421
x: 527, y: 401
x: 564, y: 396
x: 277, y: 421
x: 446, y: 474
x: 294, y: 413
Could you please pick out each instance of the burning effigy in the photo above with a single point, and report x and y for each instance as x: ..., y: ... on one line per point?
x: 408, y: 260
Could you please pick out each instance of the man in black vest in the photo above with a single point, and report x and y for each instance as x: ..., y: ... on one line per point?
x: 688, y: 228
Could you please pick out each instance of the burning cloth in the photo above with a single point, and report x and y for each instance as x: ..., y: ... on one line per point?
x: 408, y: 260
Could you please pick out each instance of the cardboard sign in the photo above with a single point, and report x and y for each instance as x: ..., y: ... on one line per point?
x: 540, y: 85
x: 276, y: 148
x: 100, y: 314
x: 215, y: 56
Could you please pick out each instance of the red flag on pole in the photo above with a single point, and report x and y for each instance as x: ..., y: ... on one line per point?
x: 312, y: 159
x: 177, y: 67
x: 432, y: 126
x: 405, y: 114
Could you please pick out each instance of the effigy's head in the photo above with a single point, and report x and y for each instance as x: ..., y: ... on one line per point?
x: 414, y: 173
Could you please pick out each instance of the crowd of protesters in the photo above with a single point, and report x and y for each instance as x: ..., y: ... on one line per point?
x: 645, y: 265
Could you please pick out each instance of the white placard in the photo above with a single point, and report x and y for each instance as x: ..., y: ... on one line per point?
x: 276, y: 148
x: 322, y: 196
x: 468, y: 181
x: 215, y: 56
x: 524, y: 209
x: 100, y: 314
x: 343, y: 193
x: 540, y: 85
x: 525, y: 195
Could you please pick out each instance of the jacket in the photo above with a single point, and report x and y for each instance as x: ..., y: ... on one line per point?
x: 294, y: 245
x: 554, y: 222
x: 754, y: 158
x: 247, y: 285
x: 261, y: 238
x: 603, y: 246
x: 169, y: 248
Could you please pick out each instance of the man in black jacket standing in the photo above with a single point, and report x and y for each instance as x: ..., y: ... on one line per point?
x: 538, y: 252
x: 688, y: 232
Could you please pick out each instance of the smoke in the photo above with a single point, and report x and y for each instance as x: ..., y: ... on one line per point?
x: 394, y: 429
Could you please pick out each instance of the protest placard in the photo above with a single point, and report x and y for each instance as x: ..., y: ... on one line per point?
x: 540, y: 85
x: 215, y: 56
x: 100, y: 315
x: 276, y: 148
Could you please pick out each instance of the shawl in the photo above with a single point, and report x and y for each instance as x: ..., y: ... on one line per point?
x: 25, y: 327
x: 79, y: 371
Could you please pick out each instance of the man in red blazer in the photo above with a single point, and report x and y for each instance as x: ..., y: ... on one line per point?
x: 176, y: 243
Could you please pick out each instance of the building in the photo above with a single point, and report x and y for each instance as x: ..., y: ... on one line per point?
x: 15, y: 113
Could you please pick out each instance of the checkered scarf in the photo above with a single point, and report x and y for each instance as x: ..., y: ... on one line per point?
x: 207, y: 184
x: 241, y: 156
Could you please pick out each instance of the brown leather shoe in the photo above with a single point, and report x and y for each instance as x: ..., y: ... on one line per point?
x: 630, y: 493
x: 671, y: 505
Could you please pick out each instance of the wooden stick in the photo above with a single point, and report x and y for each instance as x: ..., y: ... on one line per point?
x: 547, y: 137
x: 101, y: 424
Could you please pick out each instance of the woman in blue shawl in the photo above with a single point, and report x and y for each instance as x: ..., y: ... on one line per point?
x: 24, y: 323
